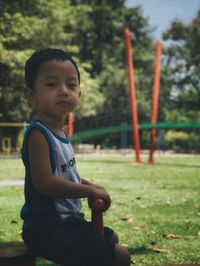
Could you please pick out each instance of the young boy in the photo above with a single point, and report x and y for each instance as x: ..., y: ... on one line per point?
x: 54, y: 227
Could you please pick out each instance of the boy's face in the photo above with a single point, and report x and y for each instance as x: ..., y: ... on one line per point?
x: 56, y: 89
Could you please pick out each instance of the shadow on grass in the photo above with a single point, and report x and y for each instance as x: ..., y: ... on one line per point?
x: 119, y: 161
x: 113, y: 161
x: 178, y: 165
x: 140, y: 251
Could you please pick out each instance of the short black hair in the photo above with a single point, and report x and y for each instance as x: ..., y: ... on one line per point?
x: 37, y: 58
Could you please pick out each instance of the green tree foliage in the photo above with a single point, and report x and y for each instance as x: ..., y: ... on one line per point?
x: 93, y: 31
x: 182, y: 62
x: 24, y: 27
x: 100, y: 36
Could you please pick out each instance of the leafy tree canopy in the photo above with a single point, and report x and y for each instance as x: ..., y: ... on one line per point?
x: 26, y: 26
x: 182, y: 62
x: 93, y: 31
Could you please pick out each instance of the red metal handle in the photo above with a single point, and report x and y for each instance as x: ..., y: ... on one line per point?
x: 98, y: 207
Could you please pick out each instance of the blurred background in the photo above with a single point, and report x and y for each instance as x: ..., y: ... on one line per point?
x: 93, y: 32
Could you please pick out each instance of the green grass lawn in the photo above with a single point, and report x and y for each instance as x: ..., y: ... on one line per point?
x: 155, y: 208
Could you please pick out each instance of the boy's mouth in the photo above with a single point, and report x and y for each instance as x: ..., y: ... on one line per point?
x: 63, y: 103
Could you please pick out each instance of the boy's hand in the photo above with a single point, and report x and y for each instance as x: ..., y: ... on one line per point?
x: 86, y: 182
x: 99, y: 193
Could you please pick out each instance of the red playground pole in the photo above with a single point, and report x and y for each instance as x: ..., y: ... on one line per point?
x: 70, y: 124
x: 132, y: 94
x: 97, y: 216
x: 155, y: 99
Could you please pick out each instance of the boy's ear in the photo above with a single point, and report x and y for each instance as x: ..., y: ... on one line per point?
x: 29, y: 96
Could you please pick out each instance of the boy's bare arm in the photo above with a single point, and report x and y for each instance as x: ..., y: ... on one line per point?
x: 86, y: 182
x: 47, y: 184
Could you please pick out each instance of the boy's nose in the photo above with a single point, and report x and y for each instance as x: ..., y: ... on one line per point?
x: 64, y: 89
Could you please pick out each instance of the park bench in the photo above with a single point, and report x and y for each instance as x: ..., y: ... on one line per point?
x: 15, y: 253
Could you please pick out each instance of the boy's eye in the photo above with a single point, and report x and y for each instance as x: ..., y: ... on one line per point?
x: 72, y: 86
x: 51, y: 84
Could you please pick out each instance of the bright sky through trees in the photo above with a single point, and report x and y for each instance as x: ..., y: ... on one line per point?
x: 162, y: 13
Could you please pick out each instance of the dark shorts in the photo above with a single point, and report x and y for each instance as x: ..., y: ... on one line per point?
x: 73, y: 243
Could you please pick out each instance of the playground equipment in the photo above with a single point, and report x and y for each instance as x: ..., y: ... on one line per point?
x: 124, y: 128
x: 20, y: 139
x: 17, y: 254
x: 6, y: 145
x: 7, y: 141
x: 70, y: 125
x: 97, y: 216
x: 87, y: 134
x: 132, y: 95
x: 155, y: 99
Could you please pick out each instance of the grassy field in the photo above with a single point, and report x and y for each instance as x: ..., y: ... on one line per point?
x: 155, y: 208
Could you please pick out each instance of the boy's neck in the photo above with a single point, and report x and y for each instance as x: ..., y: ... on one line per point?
x: 54, y: 125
